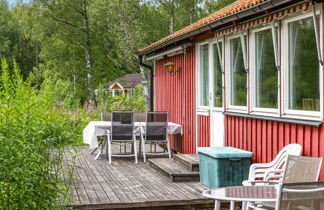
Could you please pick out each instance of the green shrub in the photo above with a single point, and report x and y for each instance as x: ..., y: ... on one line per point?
x: 32, y: 138
x: 134, y: 102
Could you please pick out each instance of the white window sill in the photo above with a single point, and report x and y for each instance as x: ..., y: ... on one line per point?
x: 203, y: 111
x: 284, y: 119
x: 238, y: 109
x: 313, y: 116
x: 265, y: 112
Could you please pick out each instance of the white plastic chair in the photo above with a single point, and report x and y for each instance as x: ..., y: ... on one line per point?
x: 297, y: 169
x: 260, y: 171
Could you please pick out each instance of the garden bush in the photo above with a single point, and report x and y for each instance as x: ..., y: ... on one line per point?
x: 32, y: 138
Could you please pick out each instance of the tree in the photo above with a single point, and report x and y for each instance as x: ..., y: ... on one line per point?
x: 14, y: 44
x: 211, y: 6
x: 69, y: 13
x: 92, y: 42
x: 170, y: 7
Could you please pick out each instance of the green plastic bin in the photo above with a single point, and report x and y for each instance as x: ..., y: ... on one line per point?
x: 223, y: 166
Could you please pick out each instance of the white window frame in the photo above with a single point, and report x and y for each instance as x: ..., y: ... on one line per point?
x: 253, y: 73
x: 202, y: 110
x: 298, y: 114
x: 211, y: 73
x: 229, y: 107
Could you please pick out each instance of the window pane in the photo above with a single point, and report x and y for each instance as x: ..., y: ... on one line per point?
x: 217, y: 69
x: 266, y: 71
x: 204, y: 77
x: 118, y: 92
x: 238, y: 74
x: 303, y: 69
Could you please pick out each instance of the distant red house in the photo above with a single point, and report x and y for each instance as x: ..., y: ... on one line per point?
x: 249, y: 75
x: 124, y: 85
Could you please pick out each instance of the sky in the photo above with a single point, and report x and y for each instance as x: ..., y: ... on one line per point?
x: 12, y: 2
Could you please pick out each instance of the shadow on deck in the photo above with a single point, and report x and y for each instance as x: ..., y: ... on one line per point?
x: 127, y: 185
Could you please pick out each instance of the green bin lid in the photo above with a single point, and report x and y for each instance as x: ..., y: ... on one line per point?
x: 224, y: 152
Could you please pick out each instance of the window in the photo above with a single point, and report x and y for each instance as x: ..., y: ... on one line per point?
x: 217, y: 75
x: 204, y: 75
x: 303, y: 78
x: 284, y: 70
x: 238, y: 76
x: 266, y: 73
x: 118, y: 92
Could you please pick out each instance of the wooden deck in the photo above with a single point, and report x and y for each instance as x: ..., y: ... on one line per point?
x: 125, y: 184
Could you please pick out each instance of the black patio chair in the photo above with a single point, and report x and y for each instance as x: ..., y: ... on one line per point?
x: 122, y: 133
x: 155, y: 132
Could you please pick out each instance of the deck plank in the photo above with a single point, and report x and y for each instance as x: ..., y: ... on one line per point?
x: 98, y: 184
x: 95, y: 179
x: 113, y: 190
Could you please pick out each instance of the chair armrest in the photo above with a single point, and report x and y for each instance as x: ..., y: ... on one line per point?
x: 263, y: 182
x: 259, y: 170
x: 262, y: 165
x: 273, y: 173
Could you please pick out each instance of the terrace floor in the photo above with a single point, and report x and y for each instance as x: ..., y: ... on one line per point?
x: 124, y: 184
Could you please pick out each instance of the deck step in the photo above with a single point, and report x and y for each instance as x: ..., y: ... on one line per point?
x: 190, y: 161
x: 174, y: 169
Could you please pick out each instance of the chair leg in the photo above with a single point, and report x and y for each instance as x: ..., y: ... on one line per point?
x: 169, y: 148
x: 217, y: 205
x: 105, y: 145
x: 109, y: 151
x: 95, y: 149
x: 232, y: 205
x: 140, y: 147
x: 97, y: 156
x: 135, y: 151
x: 101, y: 148
x: 143, y: 148
x: 244, y: 205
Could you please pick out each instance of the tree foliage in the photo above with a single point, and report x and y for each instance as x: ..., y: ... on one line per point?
x: 90, y: 42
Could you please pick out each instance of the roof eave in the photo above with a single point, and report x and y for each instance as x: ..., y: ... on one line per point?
x: 239, y: 15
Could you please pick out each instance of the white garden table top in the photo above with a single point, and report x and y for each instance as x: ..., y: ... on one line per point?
x: 99, y: 128
x: 242, y: 194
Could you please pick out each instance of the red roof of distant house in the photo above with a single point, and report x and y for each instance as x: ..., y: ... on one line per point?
x: 233, y: 8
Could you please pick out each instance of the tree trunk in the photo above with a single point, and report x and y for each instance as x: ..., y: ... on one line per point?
x: 88, y: 54
x: 145, y: 88
x: 193, y: 12
x: 171, y: 17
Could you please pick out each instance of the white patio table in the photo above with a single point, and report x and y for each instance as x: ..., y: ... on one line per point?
x: 99, y: 128
x: 242, y: 194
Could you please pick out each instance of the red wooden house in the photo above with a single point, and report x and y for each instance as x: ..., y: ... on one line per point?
x: 249, y: 76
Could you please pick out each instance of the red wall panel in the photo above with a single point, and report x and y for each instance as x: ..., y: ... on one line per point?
x: 176, y: 95
x: 203, y: 123
x: 265, y: 138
